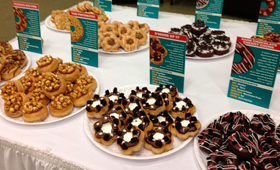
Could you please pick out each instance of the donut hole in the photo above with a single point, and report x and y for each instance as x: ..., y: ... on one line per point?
x: 263, y: 5
x: 17, y: 19
x: 237, y: 58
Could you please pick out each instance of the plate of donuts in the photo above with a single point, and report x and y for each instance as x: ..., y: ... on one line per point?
x: 118, y: 146
x: 23, y: 70
x: 251, y: 124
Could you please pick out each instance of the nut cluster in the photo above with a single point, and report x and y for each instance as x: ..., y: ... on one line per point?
x: 50, y: 82
x: 8, y: 89
x: 84, y: 80
x: 26, y: 81
x: 32, y: 106
x: 13, y: 102
x: 43, y: 61
x: 33, y: 72
x: 37, y: 94
x: 59, y: 102
x: 69, y: 87
x: 79, y: 91
x: 67, y: 68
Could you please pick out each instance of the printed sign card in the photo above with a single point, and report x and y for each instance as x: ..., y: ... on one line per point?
x: 148, y: 8
x: 106, y: 5
x: 269, y: 17
x: 209, y: 11
x: 84, y: 38
x: 27, y: 21
x: 167, y: 59
x: 254, y: 69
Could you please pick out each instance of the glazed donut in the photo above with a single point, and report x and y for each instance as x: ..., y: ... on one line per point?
x: 37, y: 94
x: 118, y: 113
x: 244, y: 144
x: 140, y: 120
x: 47, y: 64
x: 7, y: 46
x: 102, y: 18
x: 28, y: 83
x: 11, y: 87
x: 110, y: 44
x: 270, y: 160
x: 184, y: 128
x: 80, y: 95
x: 81, y: 8
x: 124, y: 29
x: 153, y: 103
x: 130, y: 140
x: 182, y: 107
x: 248, y: 59
x: 16, y: 56
x: 140, y: 35
x: 10, y: 70
x: 100, y: 38
x: 210, y: 139
x: 205, y: 50
x: 232, y: 122
x: 269, y: 9
x: 87, y: 81
x: 262, y: 123
x: 115, y: 98
x: 139, y: 92
x: 2, y: 51
x: 134, y: 25
x: 129, y: 42
x: 100, y: 26
x: 191, y: 48
x: 220, y: 48
x: 105, y: 130
x: 222, y: 160
x: 158, y: 140
x: 162, y: 120
x: 14, y: 103
x: 34, y: 111
x: 144, y: 28
x: 78, y: 32
x: 96, y: 107
x: 61, y: 106
x: 69, y: 71
x: 21, y: 25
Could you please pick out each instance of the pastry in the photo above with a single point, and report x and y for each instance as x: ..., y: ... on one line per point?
x: 110, y: 44
x: 133, y: 24
x: 13, y: 104
x: 21, y: 25
x: 96, y: 107
x: 11, y: 87
x: 69, y: 71
x: 115, y: 98
x: 145, y: 28
x: 222, y: 160
x: 33, y: 72
x: 270, y: 160
x: 61, y: 106
x: 52, y: 85
x: 132, y: 103
x: 109, y: 27
x: 198, y: 27
x: 153, y: 103
x: 80, y: 95
x: 69, y: 87
x: 220, y: 48
x: 210, y: 139
x: 10, y: 70
x: 140, y: 120
x: 7, y: 47
x: 129, y: 42
x: 269, y: 8
x: 216, y: 33
x: 205, y: 50
x: 34, y: 111
x: 191, y: 48
x: 118, y: 113
x: 78, y: 32
x: 162, y: 120
x: 138, y: 92
x: 157, y: 54
x: 124, y: 29
x: 182, y: 107
x: 37, y: 94
x: 47, y: 64
x: 172, y: 90
x: 140, y: 35
x: 87, y: 81
x: 262, y: 123
x: 28, y: 83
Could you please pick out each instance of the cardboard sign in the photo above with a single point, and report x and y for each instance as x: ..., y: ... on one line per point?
x: 27, y: 22
x: 148, y: 8
x: 106, y: 5
x: 253, y: 71
x: 269, y: 17
x: 167, y: 59
x: 209, y: 11
x: 84, y: 38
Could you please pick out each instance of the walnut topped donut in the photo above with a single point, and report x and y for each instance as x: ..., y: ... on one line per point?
x: 80, y: 95
x: 13, y: 104
x: 52, y: 84
x: 10, y: 88
x: 47, y: 64
x: 61, y: 106
x: 69, y: 71
x: 34, y: 111
x: 87, y: 81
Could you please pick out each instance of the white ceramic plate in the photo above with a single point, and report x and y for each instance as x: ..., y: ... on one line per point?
x: 23, y: 70
x: 122, y: 51
x: 200, y: 155
x: 50, y: 118
x: 143, y: 154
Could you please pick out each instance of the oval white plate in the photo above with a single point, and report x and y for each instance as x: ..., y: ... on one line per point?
x: 50, y: 118
x: 200, y: 155
x: 23, y: 70
x: 143, y: 154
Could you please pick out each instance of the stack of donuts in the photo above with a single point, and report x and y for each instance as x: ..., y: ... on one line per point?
x: 202, y: 41
x: 116, y: 35
x: 142, y: 118
x: 11, y: 61
x: 235, y: 142
x: 53, y: 84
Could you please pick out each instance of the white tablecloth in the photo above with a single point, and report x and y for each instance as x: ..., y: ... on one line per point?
x: 206, y: 84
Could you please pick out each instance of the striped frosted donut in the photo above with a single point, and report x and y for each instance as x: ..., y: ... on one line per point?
x: 269, y: 9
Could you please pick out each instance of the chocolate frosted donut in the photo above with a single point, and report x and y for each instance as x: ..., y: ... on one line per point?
x: 205, y: 50
x: 96, y: 107
x: 131, y: 104
x: 216, y: 33
x: 162, y: 120
x: 115, y: 97
x: 206, y: 37
x: 269, y: 160
x: 223, y: 39
x: 220, y: 48
x: 175, y: 31
x: 140, y: 120
x: 269, y: 9
x: 118, y: 113
x: 262, y: 123
x: 269, y: 140
x: 198, y: 27
x: 247, y: 61
x: 210, y: 139
x: 139, y: 92
x: 172, y: 90
x: 222, y: 160
x: 182, y: 107
x: 153, y: 103
x: 191, y: 48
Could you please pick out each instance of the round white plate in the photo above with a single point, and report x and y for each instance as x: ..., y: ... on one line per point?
x: 122, y: 51
x: 200, y: 155
x: 23, y: 70
x: 50, y: 118
x: 143, y: 154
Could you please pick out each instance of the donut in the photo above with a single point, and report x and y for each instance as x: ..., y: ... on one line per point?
x: 61, y: 106
x: 118, y: 113
x: 163, y: 119
x: 69, y: 71
x: 232, y: 122
x: 33, y: 72
x: 69, y: 87
x: 138, y: 92
x: 223, y: 39
x: 244, y: 144
x: 116, y: 98
x: 124, y: 29
x: 172, y: 90
x: 88, y: 6
x: 140, y: 35
x: 34, y: 111
x: 130, y: 140
x: 175, y: 31
x: 153, y: 103
x: 78, y: 32
x: 270, y: 160
x: 129, y: 42
x: 62, y: 21
x: 81, y: 8
x: 167, y: 101
x: 186, y: 127
x: 220, y: 48
x: 269, y: 9
x: 10, y: 70
x: 21, y: 25
x: 140, y: 120
x: 102, y: 17
x: 209, y: 139
x: 105, y: 130
x: 28, y: 83
x: 109, y: 27
x: 222, y: 160
x: 154, y: 42
x: 216, y: 33
x: 117, y: 24
x: 269, y: 140
x: 133, y: 24
x: 80, y: 95
x: 16, y: 56
x: 198, y: 27
x: 205, y: 50
x: 206, y: 37
x: 13, y: 104
x: 248, y: 59
x: 157, y: 55
x: 182, y: 107
x: 262, y: 123
x: 144, y: 27
x: 10, y: 88
x: 6, y: 46
x: 96, y: 107
x: 132, y: 103
x: 272, y: 37
x: 110, y: 44
x: 37, y: 94
x: 158, y: 140
x: 87, y: 81
x: 191, y: 48
x: 47, y: 64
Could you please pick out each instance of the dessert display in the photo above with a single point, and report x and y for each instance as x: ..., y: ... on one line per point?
x: 53, y: 87
x: 132, y: 121
x: 269, y: 8
x: 201, y: 41
x: 157, y: 51
x: 239, y: 140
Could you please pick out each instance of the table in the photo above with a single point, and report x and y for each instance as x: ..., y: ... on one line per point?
x: 65, y: 142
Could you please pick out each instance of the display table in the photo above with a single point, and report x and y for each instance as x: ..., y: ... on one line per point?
x: 206, y: 84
